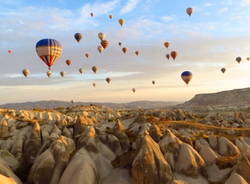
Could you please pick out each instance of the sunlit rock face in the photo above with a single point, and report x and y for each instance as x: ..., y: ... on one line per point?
x: 99, y: 145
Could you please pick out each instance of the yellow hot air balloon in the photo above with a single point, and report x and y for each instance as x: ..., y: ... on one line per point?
x: 26, y: 72
x: 101, y: 36
x: 100, y: 49
x: 94, y: 69
x: 49, y: 73
x: 121, y: 22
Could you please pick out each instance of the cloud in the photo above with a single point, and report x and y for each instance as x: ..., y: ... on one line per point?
x: 98, y: 8
x: 245, y: 2
x: 131, y: 5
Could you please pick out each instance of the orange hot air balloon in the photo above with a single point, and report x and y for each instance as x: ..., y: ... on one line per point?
x: 189, y: 11
x: 100, y: 49
x: 26, y: 72
x: 49, y: 73
x: 133, y: 89
x: 223, y: 70
x: 166, y: 44
x: 238, y: 59
x: 81, y: 70
x: 105, y: 43
x: 173, y: 54
x: 137, y: 53
x: 110, y: 16
x: 94, y: 85
x: 108, y: 80
x: 94, y: 69
x: 92, y: 14
x: 248, y: 58
x: 101, y: 36
x: 168, y: 56
x: 10, y: 51
x: 121, y: 22
x: 68, y: 62
x: 153, y: 82
x: 120, y: 43
x: 124, y: 50
x: 86, y: 55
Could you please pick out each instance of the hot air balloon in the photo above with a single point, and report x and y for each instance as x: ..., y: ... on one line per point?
x: 238, y: 59
x: 121, y: 22
x: 92, y: 14
x: 94, y: 85
x: 124, y: 50
x: 248, y: 58
x: 62, y: 74
x: 189, y: 11
x: 105, y: 43
x: 100, y: 48
x: 94, y: 69
x: 110, y: 16
x: 166, y: 44
x: 26, y: 72
x: 223, y: 70
x: 120, y: 43
x: 68, y: 62
x: 49, y: 50
x: 81, y: 70
x: 108, y: 80
x: 173, y: 54
x: 153, y: 82
x: 186, y: 76
x: 133, y: 89
x: 101, y: 36
x: 10, y: 51
x: 49, y: 73
x: 86, y: 55
x: 78, y: 37
x: 137, y: 53
x: 168, y: 56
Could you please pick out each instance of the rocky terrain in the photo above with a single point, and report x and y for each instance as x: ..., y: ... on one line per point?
x: 101, y: 145
x: 232, y: 98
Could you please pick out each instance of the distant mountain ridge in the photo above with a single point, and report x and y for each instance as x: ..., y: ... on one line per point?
x: 236, y: 97
x: 51, y: 104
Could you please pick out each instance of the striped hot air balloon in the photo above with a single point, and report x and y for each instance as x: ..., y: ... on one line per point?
x: 49, y: 50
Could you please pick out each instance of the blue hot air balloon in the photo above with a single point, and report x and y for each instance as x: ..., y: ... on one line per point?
x: 186, y: 76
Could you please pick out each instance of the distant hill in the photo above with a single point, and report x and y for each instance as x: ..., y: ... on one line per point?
x: 231, y: 98
x: 54, y: 104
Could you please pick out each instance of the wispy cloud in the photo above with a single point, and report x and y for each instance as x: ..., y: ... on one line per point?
x: 245, y: 2
x: 131, y: 5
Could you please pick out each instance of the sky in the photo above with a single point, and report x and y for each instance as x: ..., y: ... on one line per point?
x: 216, y: 33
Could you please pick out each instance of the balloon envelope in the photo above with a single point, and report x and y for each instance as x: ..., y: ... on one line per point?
x: 189, y: 11
x: 49, y: 73
x: 186, y: 76
x: 49, y: 50
x: 108, y: 80
x: 78, y: 37
x: 121, y: 22
x: 94, y: 69
x: 105, y: 43
x: 100, y: 49
x: 124, y: 50
x: 68, y: 62
x: 223, y: 70
x: 238, y: 59
x: 101, y: 36
x: 166, y: 44
x: 174, y: 54
x: 26, y: 72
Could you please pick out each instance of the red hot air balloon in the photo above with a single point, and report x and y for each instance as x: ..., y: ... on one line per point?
x: 173, y: 54
x: 68, y: 62
x: 124, y: 50
x: 105, y: 43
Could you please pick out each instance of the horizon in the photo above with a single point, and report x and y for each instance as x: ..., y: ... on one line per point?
x: 210, y: 39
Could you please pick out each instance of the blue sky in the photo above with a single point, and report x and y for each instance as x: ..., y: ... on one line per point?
x: 217, y: 32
